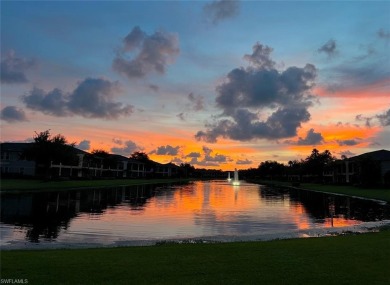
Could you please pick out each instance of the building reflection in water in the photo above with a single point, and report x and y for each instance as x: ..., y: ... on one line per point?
x: 196, y: 209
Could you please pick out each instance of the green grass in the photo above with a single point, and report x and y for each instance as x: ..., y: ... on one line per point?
x: 25, y: 185
x: 355, y: 259
x: 372, y: 193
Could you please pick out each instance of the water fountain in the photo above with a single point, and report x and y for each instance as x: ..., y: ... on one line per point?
x: 229, y: 179
x: 235, y: 179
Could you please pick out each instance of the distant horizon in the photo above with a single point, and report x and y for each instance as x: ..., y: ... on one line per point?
x: 210, y: 168
x: 216, y: 84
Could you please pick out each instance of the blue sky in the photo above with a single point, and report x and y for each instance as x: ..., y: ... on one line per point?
x: 312, y: 74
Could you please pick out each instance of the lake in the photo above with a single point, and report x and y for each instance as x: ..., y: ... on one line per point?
x: 201, y: 210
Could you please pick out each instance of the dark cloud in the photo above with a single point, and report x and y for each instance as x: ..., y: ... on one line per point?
x: 166, y: 150
x: 348, y: 142
x: 196, y: 101
x: 260, y: 58
x: 134, y: 39
x: 266, y: 88
x: 329, y: 48
x: 84, y: 145
x: 13, y: 68
x: 248, y: 93
x: 221, y: 10
x: 194, y: 154
x: 208, y: 158
x: 128, y: 147
x: 177, y: 161
x: 53, y: 102
x: 92, y: 98
x: 312, y: 138
x: 153, y: 53
x: 195, y: 161
x: 13, y: 114
x: 244, y: 162
x: 384, y: 34
x: 384, y: 118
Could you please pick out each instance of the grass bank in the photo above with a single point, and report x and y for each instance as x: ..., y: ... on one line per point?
x: 371, y: 193
x: 354, y: 259
x: 15, y: 185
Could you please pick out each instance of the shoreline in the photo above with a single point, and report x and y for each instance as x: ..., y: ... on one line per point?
x: 365, y: 227
x: 333, y: 190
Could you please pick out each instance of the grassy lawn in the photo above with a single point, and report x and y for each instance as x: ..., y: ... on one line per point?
x: 354, y: 259
x: 372, y: 193
x: 23, y: 185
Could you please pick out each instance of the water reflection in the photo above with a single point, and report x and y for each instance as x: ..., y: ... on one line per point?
x: 200, y: 209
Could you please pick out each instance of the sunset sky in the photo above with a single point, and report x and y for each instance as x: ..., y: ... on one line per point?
x: 218, y: 84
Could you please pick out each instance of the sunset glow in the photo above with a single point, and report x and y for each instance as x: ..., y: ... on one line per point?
x: 217, y: 86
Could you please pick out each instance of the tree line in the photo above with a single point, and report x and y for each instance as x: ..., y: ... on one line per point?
x: 47, y: 149
x: 313, y: 165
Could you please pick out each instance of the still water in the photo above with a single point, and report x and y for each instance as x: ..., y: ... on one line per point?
x: 209, y: 210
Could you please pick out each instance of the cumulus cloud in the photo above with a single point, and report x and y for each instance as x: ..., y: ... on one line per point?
x: 207, y: 158
x: 384, y: 118
x: 244, y: 162
x: 92, y: 98
x: 220, y: 158
x: 177, y: 161
x: 126, y: 149
x: 329, y: 48
x: 147, y: 53
x: 260, y: 58
x: 194, y: 154
x: 248, y: 94
x: 53, y: 102
x: 166, y: 150
x: 221, y: 10
x: 84, y: 145
x: 12, y: 114
x: 13, y: 68
x: 312, y: 138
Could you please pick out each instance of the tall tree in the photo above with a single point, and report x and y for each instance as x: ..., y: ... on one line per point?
x: 316, y: 162
x: 140, y: 156
x: 47, y: 149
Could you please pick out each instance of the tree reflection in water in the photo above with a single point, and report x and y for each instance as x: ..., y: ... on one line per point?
x: 200, y: 208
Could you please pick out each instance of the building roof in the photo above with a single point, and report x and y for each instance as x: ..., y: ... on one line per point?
x: 16, y: 147
x: 374, y: 155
